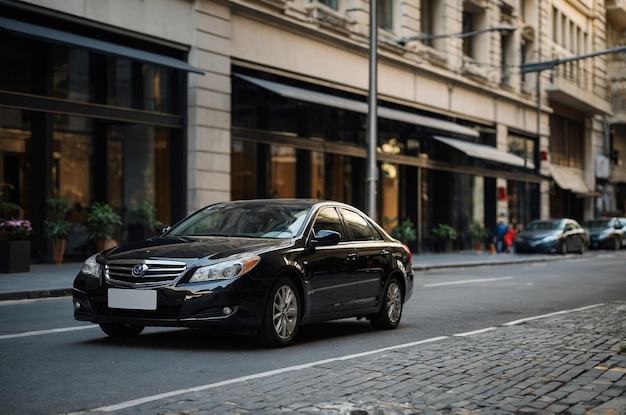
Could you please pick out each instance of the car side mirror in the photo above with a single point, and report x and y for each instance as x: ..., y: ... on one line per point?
x: 326, y: 237
x: 165, y: 229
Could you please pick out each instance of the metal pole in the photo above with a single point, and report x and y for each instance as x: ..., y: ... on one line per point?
x: 372, y: 114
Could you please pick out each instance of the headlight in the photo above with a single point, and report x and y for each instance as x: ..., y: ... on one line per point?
x: 549, y: 238
x: 225, y: 270
x: 91, y: 267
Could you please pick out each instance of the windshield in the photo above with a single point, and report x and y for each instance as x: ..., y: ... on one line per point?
x: 244, y: 220
x: 544, y: 225
x: 598, y: 223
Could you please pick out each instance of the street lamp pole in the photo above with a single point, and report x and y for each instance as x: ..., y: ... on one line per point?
x: 503, y: 29
x: 542, y: 66
x: 372, y: 115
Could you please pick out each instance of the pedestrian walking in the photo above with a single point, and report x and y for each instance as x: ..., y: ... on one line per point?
x: 501, y: 230
x: 509, y: 237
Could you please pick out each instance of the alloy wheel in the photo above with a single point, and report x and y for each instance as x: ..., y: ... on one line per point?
x: 285, y: 312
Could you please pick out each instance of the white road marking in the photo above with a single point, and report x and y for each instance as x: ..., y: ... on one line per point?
x: 557, y: 313
x: 471, y: 333
x: 128, y: 404
x: 474, y: 281
x: 42, y: 332
x: 33, y: 300
x: 147, y: 399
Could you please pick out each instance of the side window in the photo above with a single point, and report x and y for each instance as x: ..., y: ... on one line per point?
x: 359, y: 229
x: 328, y: 219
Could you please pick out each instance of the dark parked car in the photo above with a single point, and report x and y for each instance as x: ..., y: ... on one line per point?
x: 605, y: 233
x: 552, y: 236
x: 260, y: 267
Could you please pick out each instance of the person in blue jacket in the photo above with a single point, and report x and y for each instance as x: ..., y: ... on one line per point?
x: 501, y: 229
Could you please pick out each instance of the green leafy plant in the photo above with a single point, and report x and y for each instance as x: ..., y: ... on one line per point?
x: 478, y: 232
x: 444, y: 232
x: 8, y: 210
x: 102, y: 221
x: 404, y: 231
x: 145, y: 214
x: 55, y: 226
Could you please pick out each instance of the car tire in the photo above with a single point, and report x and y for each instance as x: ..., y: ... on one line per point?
x: 563, y: 248
x: 282, y: 315
x: 121, y: 330
x: 390, y: 312
x: 617, y: 243
x: 583, y: 247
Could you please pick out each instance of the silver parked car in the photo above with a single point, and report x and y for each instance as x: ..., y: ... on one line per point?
x: 552, y: 236
x: 605, y: 233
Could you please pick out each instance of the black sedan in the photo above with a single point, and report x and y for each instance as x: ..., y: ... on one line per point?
x: 259, y: 267
x: 552, y: 236
x: 605, y: 233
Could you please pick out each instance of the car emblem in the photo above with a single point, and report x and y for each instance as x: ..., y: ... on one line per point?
x: 139, y: 270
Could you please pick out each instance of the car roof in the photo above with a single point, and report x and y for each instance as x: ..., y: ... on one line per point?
x: 286, y: 202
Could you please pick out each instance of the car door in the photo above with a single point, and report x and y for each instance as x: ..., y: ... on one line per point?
x: 373, y: 258
x: 573, y: 236
x: 331, y: 281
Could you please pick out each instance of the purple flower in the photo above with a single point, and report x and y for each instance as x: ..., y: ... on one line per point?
x: 16, y: 230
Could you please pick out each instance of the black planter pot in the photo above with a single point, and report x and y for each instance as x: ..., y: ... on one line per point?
x: 14, y: 256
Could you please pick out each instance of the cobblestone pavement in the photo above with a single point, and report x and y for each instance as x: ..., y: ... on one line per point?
x: 570, y: 363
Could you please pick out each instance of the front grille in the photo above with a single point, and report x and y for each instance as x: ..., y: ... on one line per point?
x: 156, y: 273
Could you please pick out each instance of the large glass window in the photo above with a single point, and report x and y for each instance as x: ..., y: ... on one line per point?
x: 15, y: 133
x: 243, y: 170
x: 76, y: 74
x: 118, y: 152
x: 567, y: 141
x: 20, y: 70
x: 282, y: 172
x: 523, y: 147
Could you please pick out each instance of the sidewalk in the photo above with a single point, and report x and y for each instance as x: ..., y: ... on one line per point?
x: 49, y: 280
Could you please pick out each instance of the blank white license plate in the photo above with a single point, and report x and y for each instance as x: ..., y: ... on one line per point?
x: 132, y: 299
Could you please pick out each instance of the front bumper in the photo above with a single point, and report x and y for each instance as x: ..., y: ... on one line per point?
x: 598, y: 242
x: 536, y: 246
x: 235, y: 304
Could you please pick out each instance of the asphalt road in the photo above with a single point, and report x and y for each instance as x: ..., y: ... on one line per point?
x: 51, y: 364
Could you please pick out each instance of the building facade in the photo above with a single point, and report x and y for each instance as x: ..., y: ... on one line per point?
x: 612, y: 152
x: 184, y: 103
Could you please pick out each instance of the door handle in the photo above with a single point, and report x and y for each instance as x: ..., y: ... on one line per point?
x: 351, y: 257
x: 384, y: 252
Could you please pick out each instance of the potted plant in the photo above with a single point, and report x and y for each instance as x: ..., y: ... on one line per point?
x: 55, y: 227
x: 404, y: 231
x: 8, y: 209
x: 15, y: 245
x: 102, y: 222
x: 443, y: 234
x: 144, y: 223
x: 14, y: 235
x: 478, y: 234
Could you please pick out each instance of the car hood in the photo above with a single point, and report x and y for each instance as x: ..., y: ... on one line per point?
x: 598, y: 229
x: 192, y: 248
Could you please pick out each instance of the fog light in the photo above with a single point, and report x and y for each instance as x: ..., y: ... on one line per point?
x: 76, y: 305
x: 227, y: 311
